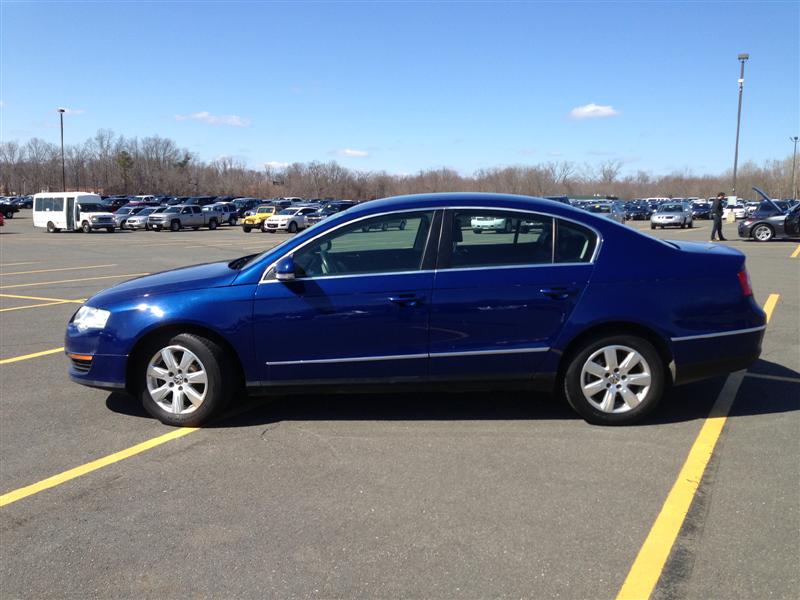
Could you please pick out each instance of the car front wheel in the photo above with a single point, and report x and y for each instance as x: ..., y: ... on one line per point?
x: 763, y: 233
x: 185, y: 380
x: 292, y: 227
x: 615, y: 380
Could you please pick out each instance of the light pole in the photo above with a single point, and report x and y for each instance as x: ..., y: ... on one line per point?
x: 61, y: 112
x: 794, y: 158
x: 742, y: 59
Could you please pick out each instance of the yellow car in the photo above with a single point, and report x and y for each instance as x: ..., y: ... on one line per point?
x: 257, y: 220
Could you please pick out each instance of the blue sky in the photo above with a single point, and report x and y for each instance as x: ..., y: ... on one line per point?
x: 407, y: 86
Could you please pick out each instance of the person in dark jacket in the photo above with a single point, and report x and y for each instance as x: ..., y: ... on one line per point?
x: 717, y: 206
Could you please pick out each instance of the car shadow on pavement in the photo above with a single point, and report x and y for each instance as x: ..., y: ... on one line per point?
x: 681, y: 404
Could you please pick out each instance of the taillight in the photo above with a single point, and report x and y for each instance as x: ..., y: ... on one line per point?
x: 744, y: 281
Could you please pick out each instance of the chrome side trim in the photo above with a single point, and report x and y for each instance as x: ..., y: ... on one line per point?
x: 720, y: 334
x: 327, y: 277
x: 321, y: 361
x: 318, y: 361
x: 487, y: 352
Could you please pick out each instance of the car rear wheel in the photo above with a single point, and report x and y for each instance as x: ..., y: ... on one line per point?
x: 292, y: 227
x: 763, y: 233
x: 185, y: 380
x: 615, y: 380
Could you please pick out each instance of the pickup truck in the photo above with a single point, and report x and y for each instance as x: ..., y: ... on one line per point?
x: 178, y: 217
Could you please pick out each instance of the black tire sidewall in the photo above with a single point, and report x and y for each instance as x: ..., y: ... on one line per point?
x: 572, y: 383
x: 218, y: 370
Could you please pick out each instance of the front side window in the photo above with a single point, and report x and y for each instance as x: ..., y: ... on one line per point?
x: 385, y: 244
x: 488, y: 238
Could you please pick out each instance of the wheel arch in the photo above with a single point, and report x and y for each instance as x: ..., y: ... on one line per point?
x: 617, y: 328
x: 169, y: 330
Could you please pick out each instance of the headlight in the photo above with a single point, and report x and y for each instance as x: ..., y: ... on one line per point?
x: 88, y: 317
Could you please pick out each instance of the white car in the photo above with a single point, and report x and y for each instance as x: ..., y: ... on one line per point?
x: 738, y: 210
x: 289, y: 219
x: 481, y: 224
x: 672, y: 214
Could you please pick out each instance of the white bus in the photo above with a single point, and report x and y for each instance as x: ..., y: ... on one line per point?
x: 71, y: 211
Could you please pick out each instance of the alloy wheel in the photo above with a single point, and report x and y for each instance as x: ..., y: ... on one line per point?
x: 177, y: 380
x: 615, y: 379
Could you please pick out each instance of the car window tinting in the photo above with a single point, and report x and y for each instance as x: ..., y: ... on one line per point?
x: 486, y: 238
x: 385, y: 244
x: 574, y: 243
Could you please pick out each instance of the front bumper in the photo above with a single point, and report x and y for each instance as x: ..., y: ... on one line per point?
x: 277, y: 226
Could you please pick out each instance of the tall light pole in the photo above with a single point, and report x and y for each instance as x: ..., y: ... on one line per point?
x: 742, y: 59
x: 794, y: 159
x: 61, y: 112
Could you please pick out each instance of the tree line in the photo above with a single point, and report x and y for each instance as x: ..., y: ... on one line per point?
x: 114, y: 164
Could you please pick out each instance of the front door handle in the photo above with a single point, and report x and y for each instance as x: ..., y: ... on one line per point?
x: 407, y: 300
x: 559, y: 293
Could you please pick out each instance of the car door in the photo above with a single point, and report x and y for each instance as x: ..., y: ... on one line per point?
x: 357, y: 310
x: 792, y: 223
x: 501, y: 298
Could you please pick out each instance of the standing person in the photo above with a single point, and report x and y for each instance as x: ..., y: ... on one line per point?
x: 716, y: 214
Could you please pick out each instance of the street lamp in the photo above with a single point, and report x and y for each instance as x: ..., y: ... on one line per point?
x: 794, y: 158
x: 61, y: 112
x: 742, y: 59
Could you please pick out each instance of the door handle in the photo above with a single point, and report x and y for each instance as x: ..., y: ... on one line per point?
x: 559, y: 293
x: 407, y: 300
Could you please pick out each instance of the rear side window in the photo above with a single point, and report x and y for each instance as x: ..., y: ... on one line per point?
x: 488, y: 238
x: 574, y: 243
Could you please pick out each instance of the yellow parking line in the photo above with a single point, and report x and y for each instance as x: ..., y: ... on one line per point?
x: 51, y: 270
x: 56, y: 303
x: 17, y: 264
x: 65, y: 476
x: 646, y: 569
x: 7, y: 361
x: 79, y: 301
x: 21, y: 285
x: 796, y: 252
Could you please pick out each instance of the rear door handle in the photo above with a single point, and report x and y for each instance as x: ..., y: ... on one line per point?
x: 407, y: 300
x: 559, y: 293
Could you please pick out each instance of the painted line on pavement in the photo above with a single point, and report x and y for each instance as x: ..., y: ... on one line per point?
x: 52, y: 270
x: 18, y: 264
x: 8, y: 361
x: 35, y: 488
x: 41, y: 283
x: 649, y: 563
x: 796, y: 252
x: 773, y: 377
x: 78, y: 301
x: 27, y: 306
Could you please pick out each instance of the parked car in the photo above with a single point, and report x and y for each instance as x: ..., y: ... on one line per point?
x: 289, y: 219
x: 609, y: 210
x: 433, y: 304
x: 114, y: 203
x: 149, y: 200
x: 124, y: 213
x: 199, y: 201
x: 244, y: 204
x: 330, y: 208
x: 701, y: 210
x: 140, y: 219
x: 479, y: 224
x: 178, y: 217
x: 773, y: 219
x: 8, y: 209
x: 227, y: 211
x: 672, y: 214
x: 637, y: 212
x: 737, y: 208
x: 258, y: 219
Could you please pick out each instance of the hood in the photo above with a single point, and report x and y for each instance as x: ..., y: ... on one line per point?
x: 205, y: 276
x: 89, y: 215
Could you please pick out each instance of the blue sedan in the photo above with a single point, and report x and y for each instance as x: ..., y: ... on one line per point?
x: 560, y: 300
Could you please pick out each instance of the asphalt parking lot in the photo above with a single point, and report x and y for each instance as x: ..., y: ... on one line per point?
x: 446, y: 496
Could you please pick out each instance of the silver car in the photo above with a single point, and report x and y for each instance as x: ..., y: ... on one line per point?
x: 610, y: 210
x: 139, y: 220
x: 672, y: 214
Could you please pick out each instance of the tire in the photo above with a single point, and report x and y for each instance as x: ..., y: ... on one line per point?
x: 9, y: 215
x: 51, y: 228
x: 478, y: 231
x: 232, y: 221
x: 292, y: 227
x: 196, y: 228
x: 762, y: 233
x: 691, y: 224
x: 652, y: 226
x: 683, y: 224
x: 402, y: 225
x: 212, y: 224
x: 246, y: 228
x: 85, y: 227
x: 384, y: 226
x: 264, y: 227
x: 175, y: 225
x: 110, y: 229
x: 600, y: 409
x: 207, y: 357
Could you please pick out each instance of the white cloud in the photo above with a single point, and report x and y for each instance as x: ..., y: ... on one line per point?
x: 593, y: 111
x: 350, y: 153
x: 207, y: 117
x: 274, y: 164
x: 73, y: 111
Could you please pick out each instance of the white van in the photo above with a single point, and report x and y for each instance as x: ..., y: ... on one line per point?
x: 71, y: 211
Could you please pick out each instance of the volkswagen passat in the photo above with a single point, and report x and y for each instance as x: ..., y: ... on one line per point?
x: 542, y: 306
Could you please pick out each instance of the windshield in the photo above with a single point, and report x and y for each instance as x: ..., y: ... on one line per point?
x: 173, y: 209
x: 266, y: 209
x: 599, y: 208
x: 146, y: 211
x: 87, y: 208
x: 124, y: 211
x: 671, y: 208
x: 288, y: 211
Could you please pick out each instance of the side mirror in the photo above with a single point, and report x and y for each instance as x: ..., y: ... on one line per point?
x: 284, y: 270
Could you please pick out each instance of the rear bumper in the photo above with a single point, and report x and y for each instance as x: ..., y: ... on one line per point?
x: 701, y: 357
